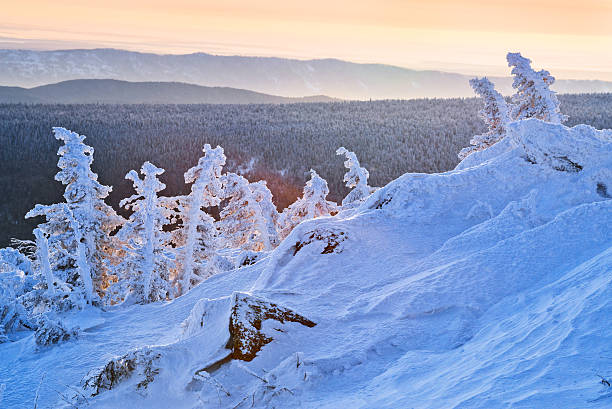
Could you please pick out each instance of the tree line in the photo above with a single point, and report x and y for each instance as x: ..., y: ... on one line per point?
x: 278, y: 143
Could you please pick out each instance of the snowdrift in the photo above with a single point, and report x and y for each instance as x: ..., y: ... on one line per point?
x: 486, y: 286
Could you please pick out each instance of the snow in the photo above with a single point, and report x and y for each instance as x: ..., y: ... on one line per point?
x: 485, y: 286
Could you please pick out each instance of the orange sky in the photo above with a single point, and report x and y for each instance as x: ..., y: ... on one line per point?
x: 572, y: 39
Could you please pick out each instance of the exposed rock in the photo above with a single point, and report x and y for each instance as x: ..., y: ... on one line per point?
x: 245, y: 338
x: 245, y: 326
x: 602, y: 190
x: 329, y: 237
x: 140, y: 363
x: 248, y: 258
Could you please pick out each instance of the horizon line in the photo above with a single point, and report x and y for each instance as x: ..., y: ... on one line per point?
x: 304, y: 59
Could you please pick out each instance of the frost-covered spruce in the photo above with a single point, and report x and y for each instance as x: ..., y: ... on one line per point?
x: 263, y: 196
x: 495, y: 114
x: 12, y: 259
x: 13, y: 314
x: 197, y: 238
x: 355, y: 178
x: 143, y: 274
x: 533, y: 97
x: 312, y: 204
x: 242, y: 224
x: 60, y: 250
x: 85, y: 197
x: 24, y: 296
x: 78, y: 230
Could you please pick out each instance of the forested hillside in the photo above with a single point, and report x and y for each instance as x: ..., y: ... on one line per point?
x: 277, y: 142
x: 93, y: 91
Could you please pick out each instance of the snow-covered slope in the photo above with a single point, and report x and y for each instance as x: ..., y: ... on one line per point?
x: 486, y: 286
x: 276, y: 76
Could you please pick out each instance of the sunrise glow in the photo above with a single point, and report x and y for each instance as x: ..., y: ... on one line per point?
x: 571, y: 38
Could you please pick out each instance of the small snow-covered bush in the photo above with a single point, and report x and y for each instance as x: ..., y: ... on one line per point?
x: 52, y: 331
x: 12, y: 259
x: 13, y: 314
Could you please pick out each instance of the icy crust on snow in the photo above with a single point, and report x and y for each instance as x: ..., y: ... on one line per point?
x: 486, y: 286
x: 544, y: 347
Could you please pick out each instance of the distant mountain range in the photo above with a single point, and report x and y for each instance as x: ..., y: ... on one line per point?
x: 124, y: 92
x: 276, y: 76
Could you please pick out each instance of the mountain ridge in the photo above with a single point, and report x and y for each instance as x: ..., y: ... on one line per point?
x: 270, y: 75
x: 111, y: 91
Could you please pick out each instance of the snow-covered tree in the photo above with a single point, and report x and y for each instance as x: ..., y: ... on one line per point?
x: 355, y: 178
x: 85, y: 197
x: 533, y: 98
x: 143, y: 274
x: 78, y: 231
x: 311, y: 205
x: 197, y: 238
x: 263, y: 196
x: 242, y: 223
x: 42, y: 254
x: 60, y: 252
x: 495, y: 113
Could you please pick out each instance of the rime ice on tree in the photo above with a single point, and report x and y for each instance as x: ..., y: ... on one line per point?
x: 533, y: 98
x: 356, y: 178
x: 263, y: 197
x: 78, y: 230
x: 42, y: 254
x: 242, y: 223
x: 197, y: 237
x: 144, y: 271
x: 311, y: 205
x: 56, y: 244
x: 495, y: 113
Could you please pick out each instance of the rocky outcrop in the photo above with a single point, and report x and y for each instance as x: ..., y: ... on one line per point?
x: 245, y: 324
